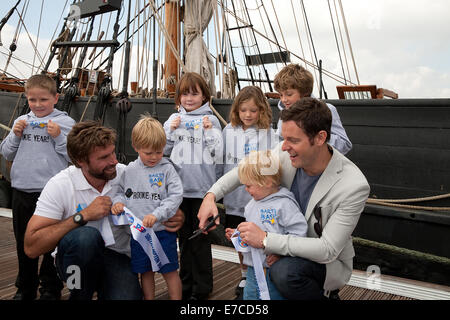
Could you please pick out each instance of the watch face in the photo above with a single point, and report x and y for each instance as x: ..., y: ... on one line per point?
x: 78, y: 218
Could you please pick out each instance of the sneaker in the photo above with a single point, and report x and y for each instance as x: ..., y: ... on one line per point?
x: 240, y: 288
x: 239, y: 296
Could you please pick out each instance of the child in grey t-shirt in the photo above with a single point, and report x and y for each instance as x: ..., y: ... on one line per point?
x: 151, y: 188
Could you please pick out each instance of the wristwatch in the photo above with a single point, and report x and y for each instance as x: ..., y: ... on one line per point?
x: 264, y: 241
x: 78, y: 219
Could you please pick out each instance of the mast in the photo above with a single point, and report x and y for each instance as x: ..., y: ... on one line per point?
x: 171, y: 62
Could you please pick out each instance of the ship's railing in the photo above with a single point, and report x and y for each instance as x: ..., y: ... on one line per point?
x: 364, y: 92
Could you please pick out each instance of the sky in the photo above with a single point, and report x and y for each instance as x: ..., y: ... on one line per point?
x: 401, y: 45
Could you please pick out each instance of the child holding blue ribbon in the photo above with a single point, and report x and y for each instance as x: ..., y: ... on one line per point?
x: 249, y: 129
x: 151, y: 188
x: 272, y: 208
x: 194, y: 143
x: 37, y: 145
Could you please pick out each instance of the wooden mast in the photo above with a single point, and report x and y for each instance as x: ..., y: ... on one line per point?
x: 171, y: 62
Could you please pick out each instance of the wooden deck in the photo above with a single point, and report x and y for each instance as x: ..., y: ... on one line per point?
x: 226, y: 275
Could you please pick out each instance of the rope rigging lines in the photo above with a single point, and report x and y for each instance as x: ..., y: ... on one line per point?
x: 262, y: 32
x: 285, y: 23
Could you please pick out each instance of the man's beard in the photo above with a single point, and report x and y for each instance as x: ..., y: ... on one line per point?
x: 103, y: 175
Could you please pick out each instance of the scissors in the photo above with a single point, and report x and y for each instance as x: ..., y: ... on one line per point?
x: 200, y: 231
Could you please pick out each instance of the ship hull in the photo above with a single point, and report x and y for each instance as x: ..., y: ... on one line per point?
x: 400, y: 145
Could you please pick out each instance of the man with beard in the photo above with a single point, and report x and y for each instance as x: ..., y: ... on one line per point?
x: 72, y: 215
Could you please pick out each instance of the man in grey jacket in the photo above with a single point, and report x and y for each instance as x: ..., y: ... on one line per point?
x: 331, y: 191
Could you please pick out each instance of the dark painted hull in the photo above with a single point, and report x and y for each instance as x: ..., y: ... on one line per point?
x: 402, y: 147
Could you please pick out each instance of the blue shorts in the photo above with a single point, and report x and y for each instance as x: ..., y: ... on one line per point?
x: 140, y: 262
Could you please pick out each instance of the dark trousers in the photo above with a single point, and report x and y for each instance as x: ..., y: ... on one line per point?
x: 27, y: 281
x: 298, y: 278
x: 87, y: 267
x: 195, y: 255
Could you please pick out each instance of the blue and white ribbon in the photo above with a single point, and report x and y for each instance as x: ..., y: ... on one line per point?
x: 241, y: 246
x: 146, y: 237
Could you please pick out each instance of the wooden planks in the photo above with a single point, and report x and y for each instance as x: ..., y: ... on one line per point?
x: 226, y: 275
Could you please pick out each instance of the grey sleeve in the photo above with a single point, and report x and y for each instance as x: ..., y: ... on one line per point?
x: 338, y: 138
x: 168, y: 206
x: 9, y: 146
x: 292, y: 219
x: 61, y: 140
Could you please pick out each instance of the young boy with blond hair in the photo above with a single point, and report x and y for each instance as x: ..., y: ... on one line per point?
x: 151, y: 188
x: 37, y: 147
x: 273, y: 209
x: 294, y: 82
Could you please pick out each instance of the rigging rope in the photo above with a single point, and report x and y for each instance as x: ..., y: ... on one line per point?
x: 167, y: 37
x: 248, y: 70
x: 85, y: 108
x: 261, y: 65
x: 53, y: 36
x: 342, y: 42
x: 144, y: 53
x: 13, y: 113
x: 266, y: 34
x: 278, y: 22
x: 38, y: 33
x: 321, y: 86
x: 337, y: 42
x: 316, y: 78
x: 348, y: 40
x: 325, y: 72
x: 219, y: 51
x: 29, y: 37
x: 13, y: 45
x: 298, y: 33
x: 224, y: 123
x: 398, y: 203
x: 231, y: 67
x: 438, y: 197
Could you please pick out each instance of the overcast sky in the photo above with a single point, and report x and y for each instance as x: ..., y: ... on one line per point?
x: 402, y: 45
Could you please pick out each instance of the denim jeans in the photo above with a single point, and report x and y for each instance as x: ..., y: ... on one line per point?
x: 101, y: 269
x: 251, y: 290
x: 298, y: 278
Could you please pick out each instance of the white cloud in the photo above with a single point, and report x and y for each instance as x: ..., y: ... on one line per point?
x: 399, y: 45
x: 420, y: 82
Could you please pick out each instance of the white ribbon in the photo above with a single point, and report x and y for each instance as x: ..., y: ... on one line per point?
x: 105, y: 230
x: 241, y: 246
x: 146, y: 237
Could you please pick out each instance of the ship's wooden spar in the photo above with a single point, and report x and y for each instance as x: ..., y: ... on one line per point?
x: 240, y: 32
x: 172, y: 26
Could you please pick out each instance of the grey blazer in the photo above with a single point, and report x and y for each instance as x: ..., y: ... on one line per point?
x: 341, y: 192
